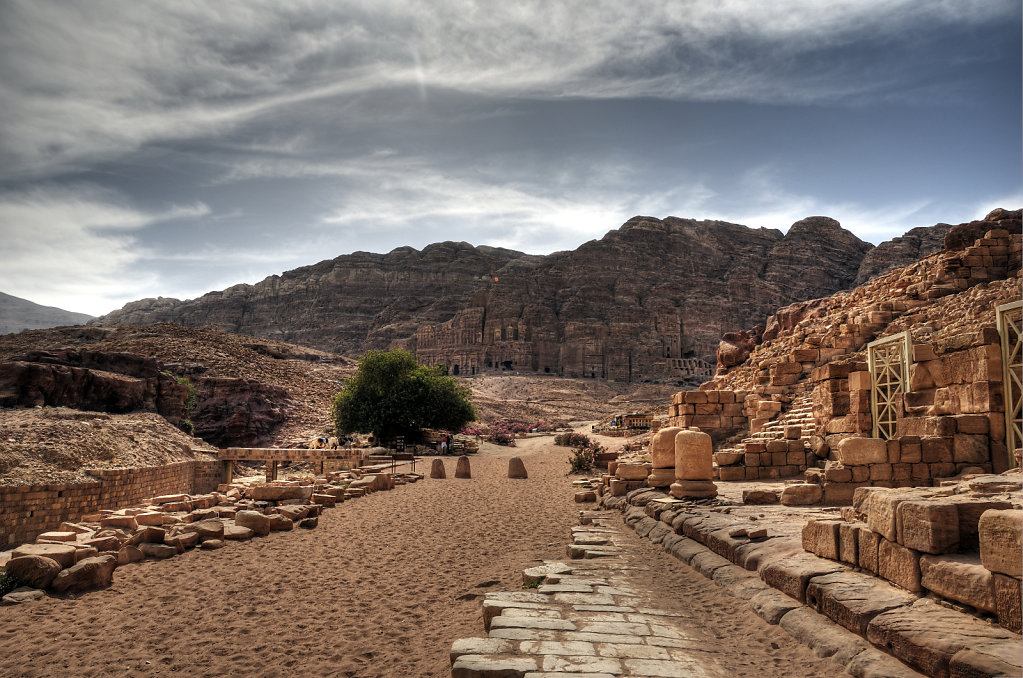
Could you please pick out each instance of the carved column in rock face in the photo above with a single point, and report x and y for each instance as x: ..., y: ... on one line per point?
x: 662, y: 452
x: 694, y: 465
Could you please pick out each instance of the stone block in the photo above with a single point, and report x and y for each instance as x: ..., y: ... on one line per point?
x: 899, y: 565
x: 731, y: 473
x: 880, y: 471
x: 1007, y: 602
x: 792, y: 575
x: 801, y: 494
x: 62, y: 554
x: 1000, y: 541
x: 959, y: 577
x: 632, y: 471
x: 931, y: 526
x: 869, y: 541
x: 852, y: 599
x: 848, y: 542
x: 862, y: 451
x: 821, y: 537
x: 971, y: 449
x: 927, y: 637
x: 777, y: 446
x: 760, y: 495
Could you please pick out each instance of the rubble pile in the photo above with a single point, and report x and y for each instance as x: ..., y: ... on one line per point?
x: 84, y: 554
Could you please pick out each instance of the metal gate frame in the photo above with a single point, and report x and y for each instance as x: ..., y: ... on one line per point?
x: 888, y: 360
x: 1010, y: 321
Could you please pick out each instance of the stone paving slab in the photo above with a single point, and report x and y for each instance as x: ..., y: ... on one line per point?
x: 583, y: 619
x: 866, y: 622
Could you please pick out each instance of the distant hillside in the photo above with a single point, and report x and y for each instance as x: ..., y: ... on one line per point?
x: 18, y: 314
x: 648, y: 301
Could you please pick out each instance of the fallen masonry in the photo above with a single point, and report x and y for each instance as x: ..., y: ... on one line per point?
x: 83, y: 555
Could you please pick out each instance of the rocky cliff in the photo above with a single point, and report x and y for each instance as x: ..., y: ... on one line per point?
x: 915, y: 244
x: 649, y: 300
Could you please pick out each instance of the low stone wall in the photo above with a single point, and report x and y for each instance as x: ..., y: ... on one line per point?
x: 29, y: 510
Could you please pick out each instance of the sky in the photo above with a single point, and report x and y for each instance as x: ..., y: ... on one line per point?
x: 173, y: 148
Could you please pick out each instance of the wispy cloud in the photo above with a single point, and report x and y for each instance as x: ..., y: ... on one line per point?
x: 77, y: 242
x: 97, y: 80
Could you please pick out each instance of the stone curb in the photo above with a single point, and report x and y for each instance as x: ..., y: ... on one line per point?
x: 860, y: 621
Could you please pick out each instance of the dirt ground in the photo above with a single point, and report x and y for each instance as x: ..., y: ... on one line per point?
x: 381, y: 588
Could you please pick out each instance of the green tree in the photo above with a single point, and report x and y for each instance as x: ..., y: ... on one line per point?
x: 392, y: 394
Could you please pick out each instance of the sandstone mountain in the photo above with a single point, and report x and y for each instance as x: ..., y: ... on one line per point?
x: 18, y: 314
x: 648, y: 301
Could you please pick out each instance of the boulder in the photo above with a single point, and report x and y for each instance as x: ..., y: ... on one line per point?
x: 437, y: 469
x: 516, y: 469
x: 462, y: 468
x: 129, y: 554
x: 279, y: 493
x: 91, y: 573
x: 254, y: 520
x: 57, y: 536
x: 309, y: 523
x: 157, y: 550
x: 64, y: 554
x: 156, y: 518
x: 759, y: 495
x: 211, y: 528
x: 126, y: 522
x: 279, y: 522
x: 237, y: 532
x: 22, y: 594
x: 294, y: 513
x: 35, y: 571
x: 211, y: 544
x: 802, y: 494
x: 110, y: 543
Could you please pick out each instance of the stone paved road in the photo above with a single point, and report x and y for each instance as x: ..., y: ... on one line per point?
x: 587, y: 618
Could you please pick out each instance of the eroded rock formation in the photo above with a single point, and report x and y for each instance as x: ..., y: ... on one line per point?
x: 649, y: 300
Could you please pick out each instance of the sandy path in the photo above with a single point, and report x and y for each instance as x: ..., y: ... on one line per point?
x: 381, y: 588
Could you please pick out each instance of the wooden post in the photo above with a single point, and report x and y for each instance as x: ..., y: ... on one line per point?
x: 227, y: 471
x: 271, y: 471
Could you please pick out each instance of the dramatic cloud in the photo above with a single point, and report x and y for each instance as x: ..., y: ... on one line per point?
x: 162, y: 148
x: 100, y: 78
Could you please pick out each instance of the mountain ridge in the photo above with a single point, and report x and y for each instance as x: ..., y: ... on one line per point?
x: 647, y: 301
x: 17, y: 314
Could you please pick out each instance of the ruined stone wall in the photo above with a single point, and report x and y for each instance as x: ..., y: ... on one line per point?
x: 718, y: 413
x: 29, y: 510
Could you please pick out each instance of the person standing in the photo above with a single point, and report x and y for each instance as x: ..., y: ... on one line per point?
x: 444, y: 445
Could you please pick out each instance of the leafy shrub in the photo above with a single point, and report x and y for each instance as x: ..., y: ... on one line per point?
x: 583, y: 458
x: 473, y: 431
x: 193, y: 395
x: 188, y: 427
x: 572, y: 440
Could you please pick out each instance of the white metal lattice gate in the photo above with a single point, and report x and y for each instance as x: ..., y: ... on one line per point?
x: 888, y: 362
x: 1010, y: 320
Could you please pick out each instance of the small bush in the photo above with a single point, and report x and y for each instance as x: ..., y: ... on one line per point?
x: 584, y: 457
x: 572, y: 440
x: 188, y: 427
x: 7, y: 583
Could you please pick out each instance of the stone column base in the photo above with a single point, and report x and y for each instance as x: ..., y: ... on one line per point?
x: 693, y: 488
x: 661, y: 477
